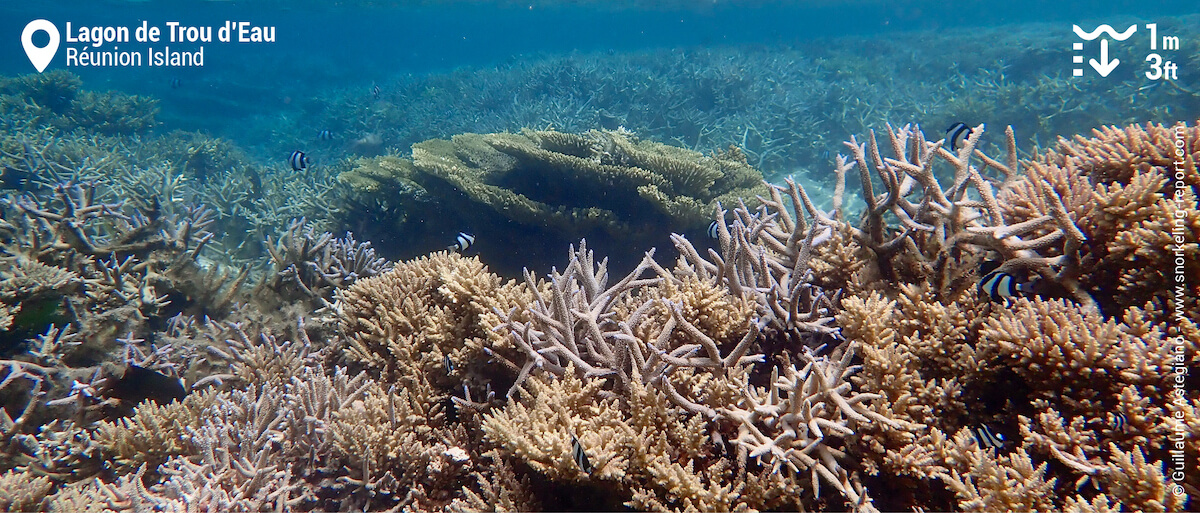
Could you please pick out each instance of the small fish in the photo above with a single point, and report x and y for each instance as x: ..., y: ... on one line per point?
x: 714, y: 230
x: 1119, y: 420
x: 325, y: 135
x: 298, y: 160
x: 175, y: 83
x: 1001, y: 286
x: 462, y: 242
x: 449, y: 364
x: 986, y: 438
x: 825, y: 156
x: 376, y: 91
x: 1114, y: 421
x: 579, y: 456
x: 956, y: 132
x: 139, y: 384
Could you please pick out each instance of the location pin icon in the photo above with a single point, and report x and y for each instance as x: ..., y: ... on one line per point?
x: 40, y: 57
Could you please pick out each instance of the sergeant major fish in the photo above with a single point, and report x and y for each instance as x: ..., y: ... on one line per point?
x: 956, y: 132
x: 462, y: 242
x: 298, y: 160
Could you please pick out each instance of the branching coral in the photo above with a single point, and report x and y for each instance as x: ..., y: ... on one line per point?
x: 317, y: 264
x: 806, y: 361
x: 656, y: 335
x: 418, y: 318
x: 1129, y: 191
x: 1084, y: 381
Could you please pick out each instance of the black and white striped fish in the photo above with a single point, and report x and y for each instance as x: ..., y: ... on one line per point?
x: 376, y: 91
x: 956, y: 132
x: 1114, y: 421
x: 175, y: 83
x: 1001, y: 286
x: 325, y: 135
x: 462, y: 242
x: 579, y: 456
x: 1118, y: 422
x: 986, y: 439
x: 714, y: 230
x: 298, y: 160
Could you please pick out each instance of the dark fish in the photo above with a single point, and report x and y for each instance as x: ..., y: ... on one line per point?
x: 956, y: 132
x: 1001, y: 286
x: 608, y: 121
x: 986, y: 438
x: 139, y: 384
x: 714, y: 231
x: 298, y: 160
x: 579, y: 456
x: 825, y: 156
x: 175, y: 83
x: 376, y: 91
x: 462, y: 242
x: 325, y: 135
x: 449, y: 364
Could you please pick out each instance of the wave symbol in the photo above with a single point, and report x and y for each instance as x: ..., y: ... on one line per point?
x: 1105, y: 28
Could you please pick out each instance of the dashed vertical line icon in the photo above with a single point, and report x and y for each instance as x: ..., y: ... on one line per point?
x: 40, y: 57
x: 1077, y: 59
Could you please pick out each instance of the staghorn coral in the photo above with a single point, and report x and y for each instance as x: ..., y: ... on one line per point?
x: 655, y: 337
x: 877, y: 366
x: 317, y: 265
x: 1082, y: 386
x: 1128, y: 190
x: 656, y: 452
x: 57, y: 99
x: 425, y: 316
x: 111, y: 267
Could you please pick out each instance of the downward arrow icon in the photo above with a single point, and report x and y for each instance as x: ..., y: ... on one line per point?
x: 1104, y: 66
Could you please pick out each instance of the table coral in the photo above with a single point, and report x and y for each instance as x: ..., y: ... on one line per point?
x: 542, y: 186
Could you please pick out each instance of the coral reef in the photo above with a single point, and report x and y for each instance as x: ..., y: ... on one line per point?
x: 604, y: 185
x: 807, y: 360
x: 56, y: 99
x: 529, y: 178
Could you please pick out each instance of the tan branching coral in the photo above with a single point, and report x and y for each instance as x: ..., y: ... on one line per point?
x: 421, y: 315
x: 397, y: 444
x: 1128, y: 190
x: 1087, y: 370
x: 791, y: 421
x: 660, y: 453
x: 22, y: 491
x: 574, y: 323
x: 804, y: 360
x: 1011, y: 482
x: 681, y: 339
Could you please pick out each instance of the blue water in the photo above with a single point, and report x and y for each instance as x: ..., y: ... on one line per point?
x: 353, y: 42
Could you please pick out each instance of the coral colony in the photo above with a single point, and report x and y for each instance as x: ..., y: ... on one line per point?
x: 184, y: 330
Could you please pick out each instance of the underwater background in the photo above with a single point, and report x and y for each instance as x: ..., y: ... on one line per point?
x: 603, y: 256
